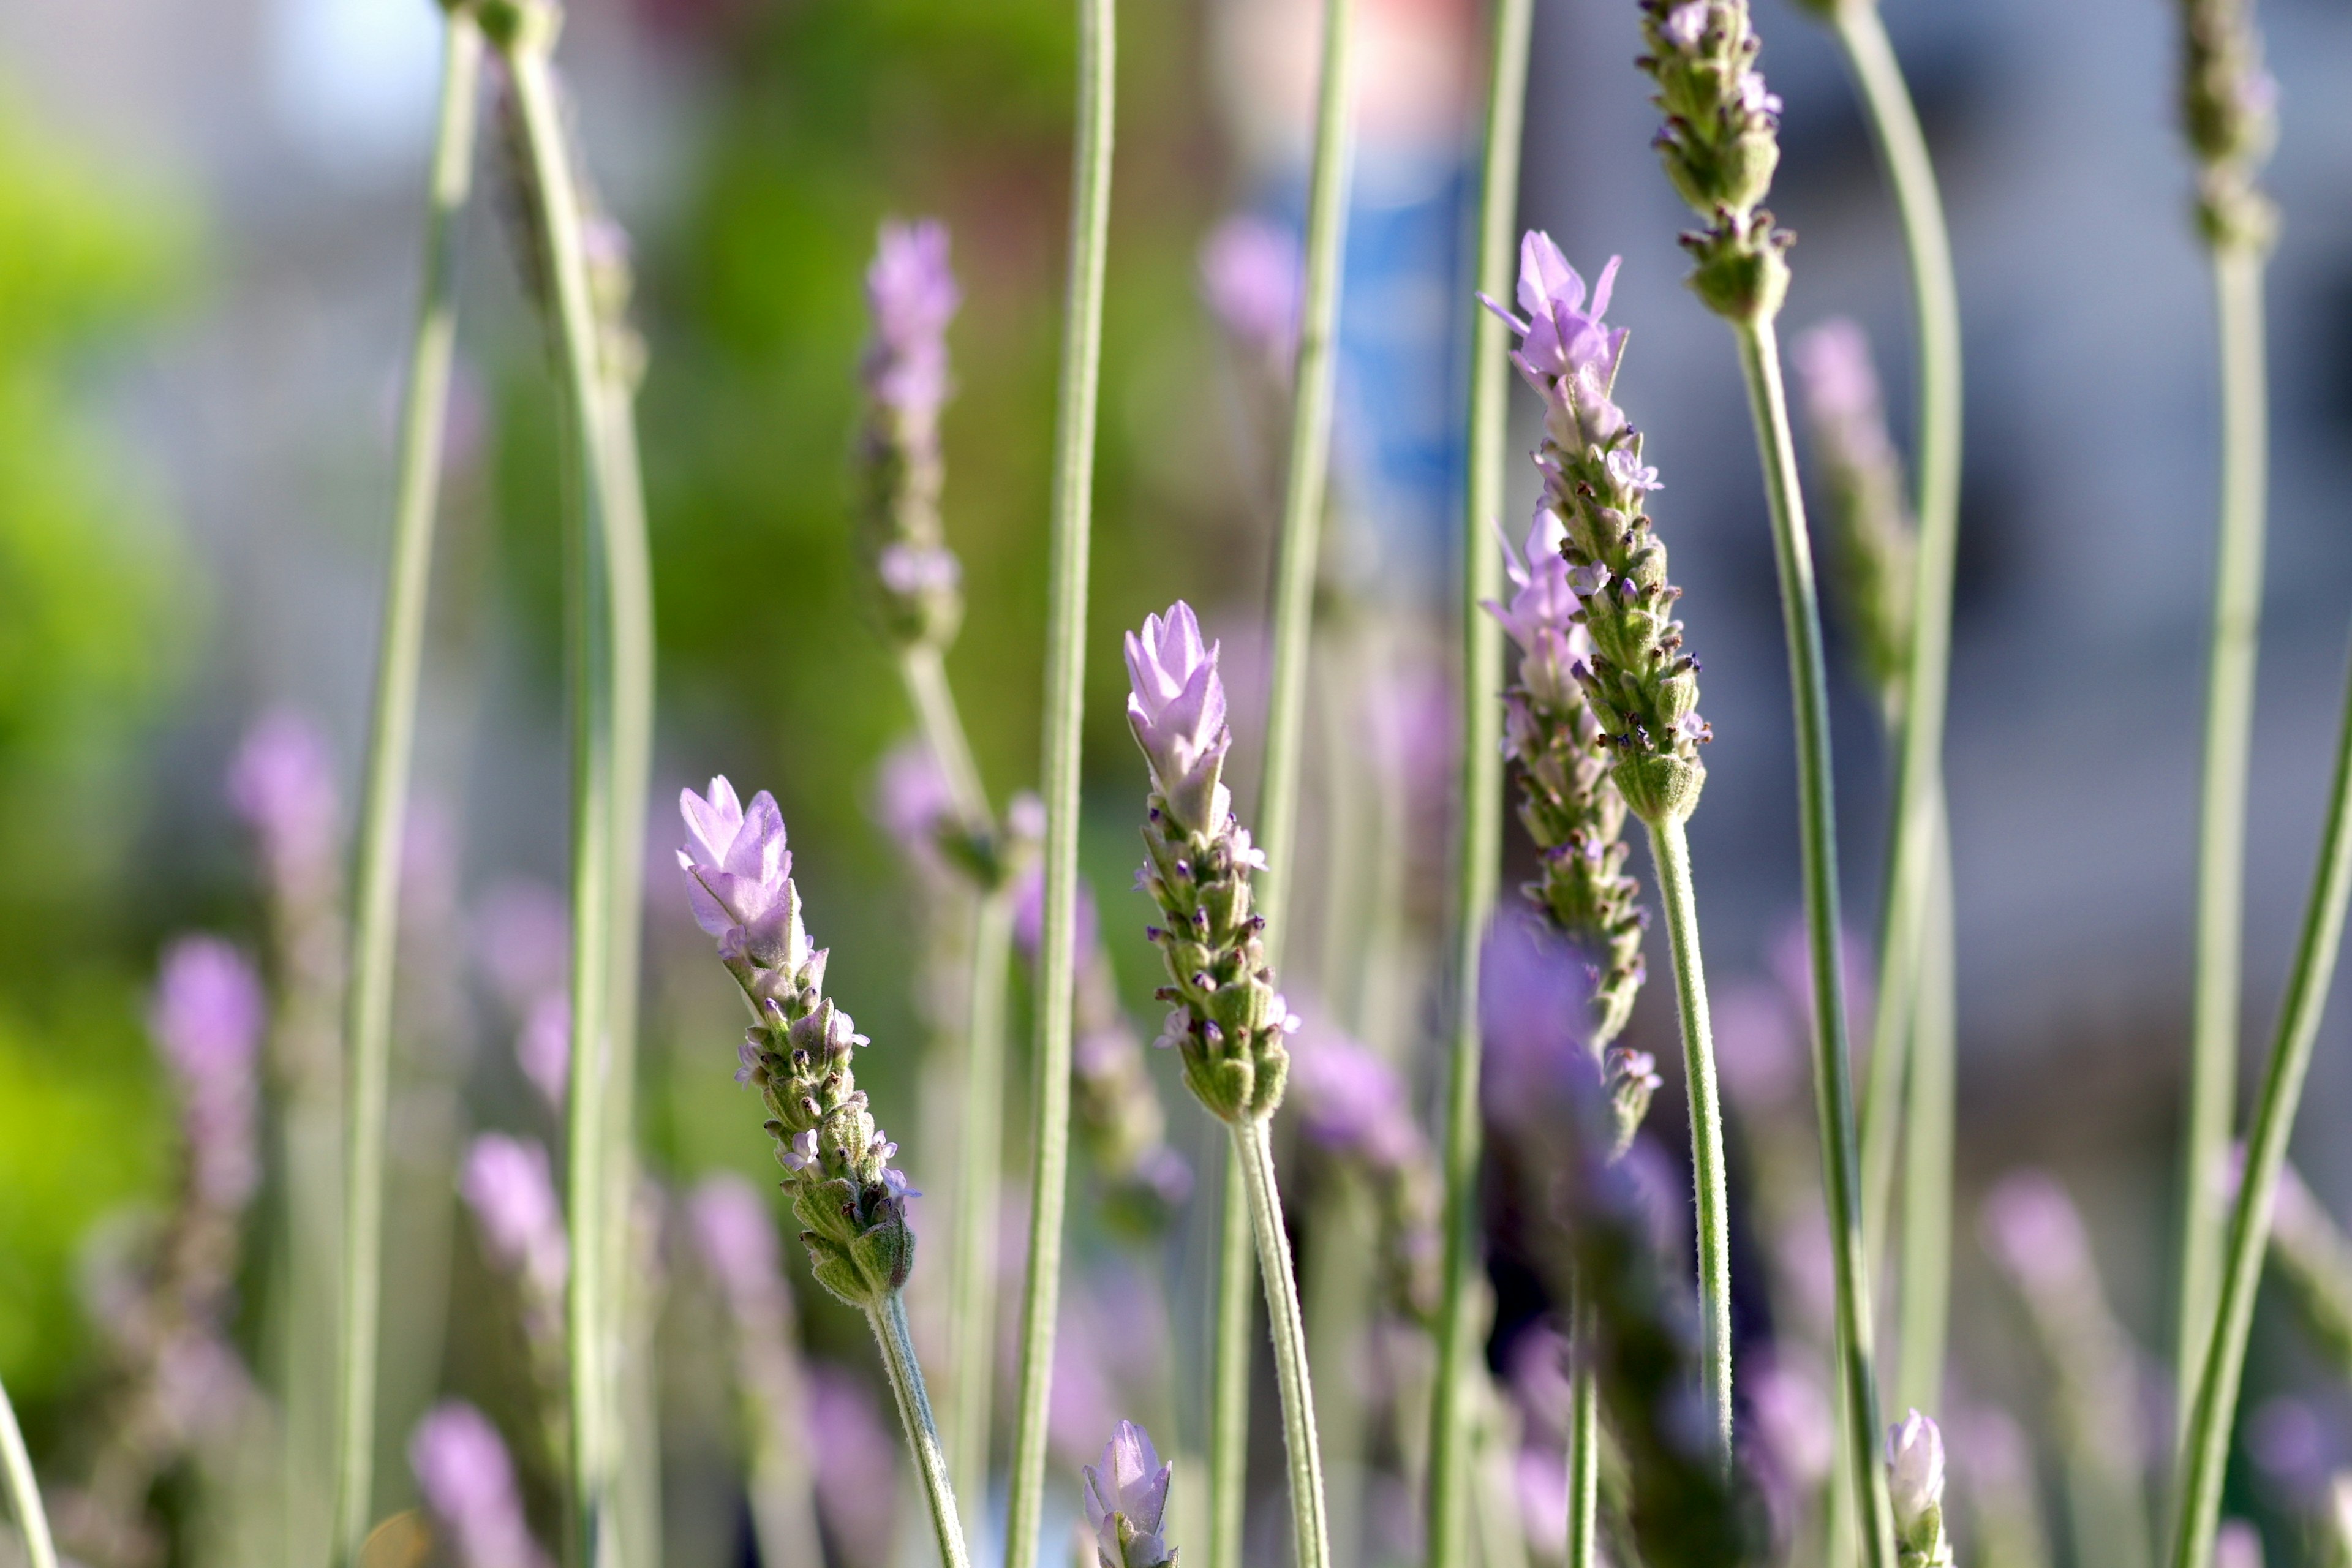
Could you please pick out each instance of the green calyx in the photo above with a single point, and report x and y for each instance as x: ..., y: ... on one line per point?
x: 1925, y: 1544
x: 519, y: 27
x: 1229, y: 1022
x: 1742, y: 268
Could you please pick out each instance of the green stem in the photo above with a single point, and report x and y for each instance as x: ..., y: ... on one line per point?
x: 924, y: 673
x: 1926, y: 1256
x: 1670, y: 851
x: 391, y: 743
x: 1065, y: 629
x: 1918, y: 779
x: 1583, y: 1452
x: 1478, y: 849
x: 888, y: 1320
x: 1229, y: 1389
x: 1311, y: 1529
x: 973, y: 1293
x: 24, y: 1489
x: 2221, y: 826
x: 1760, y: 358
x: 2206, y: 1441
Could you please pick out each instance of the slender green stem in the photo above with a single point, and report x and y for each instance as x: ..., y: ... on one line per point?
x: 972, y: 1294
x: 1299, y: 545
x: 1479, y: 848
x: 2221, y: 826
x: 1760, y: 358
x: 1310, y: 1528
x: 1583, y: 1450
x: 1919, y: 780
x: 1065, y: 629
x: 925, y: 676
x: 2206, y: 1442
x: 24, y: 1489
x: 1230, y: 1370
x: 1927, y: 1259
x: 1670, y: 851
x: 391, y: 743
x: 890, y: 1332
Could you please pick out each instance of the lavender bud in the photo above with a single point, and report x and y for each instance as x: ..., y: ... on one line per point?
x: 1915, y: 1474
x: 738, y: 878
x: 2229, y: 107
x: 1250, y: 278
x: 911, y: 296
x: 468, y: 1484
x: 1126, y: 1495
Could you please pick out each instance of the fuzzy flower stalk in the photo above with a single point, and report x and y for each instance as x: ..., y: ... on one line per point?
x: 1604, y: 672
x: 798, y: 1056
x: 1915, y: 1475
x: 1226, y: 1020
x: 1127, y: 1496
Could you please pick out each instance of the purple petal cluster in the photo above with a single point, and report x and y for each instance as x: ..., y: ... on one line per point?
x: 508, y: 1184
x: 282, y: 784
x: 209, y: 1015
x: 735, y: 1236
x: 468, y: 1480
x: 1176, y: 706
x: 1561, y: 343
x: 911, y: 294
x: 1250, y: 276
x: 738, y: 878
x: 1544, y: 616
x: 1915, y: 1470
x: 1126, y: 1495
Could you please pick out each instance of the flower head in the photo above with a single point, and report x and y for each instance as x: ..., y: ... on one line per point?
x: 1176, y: 706
x: 1562, y: 341
x: 282, y: 784
x: 1914, y: 1469
x: 2033, y: 1230
x: 1250, y: 278
x: 468, y: 1483
x: 912, y: 296
x: 1541, y: 616
x: 508, y: 1185
x: 1126, y: 1494
x: 207, y: 1016
x: 739, y: 871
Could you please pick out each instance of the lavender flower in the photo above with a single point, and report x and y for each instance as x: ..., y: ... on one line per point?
x: 1354, y: 1107
x: 2229, y: 106
x: 1250, y: 278
x: 207, y: 1016
x: 1872, y: 537
x: 1230, y: 1022
x: 1720, y: 143
x: 1640, y: 689
x: 739, y: 879
x: 2238, y: 1544
x: 468, y: 1483
x: 1794, y: 1419
x: 911, y: 296
x: 508, y: 1185
x: 1915, y: 1474
x: 1114, y: 1109
x: 1126, y: 1494
x: 282, y: 784
x: 857, y: 1465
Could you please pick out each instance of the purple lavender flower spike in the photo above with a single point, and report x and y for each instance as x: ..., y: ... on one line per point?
x: 1126, y: 1495
x: 736, y: 1237
x: 508, y: 1184
x: 1176, y: 706
x: 544, y: 1049
x: 1355, y: 1107
x: 911, y: 296
x: 1873, y: 540
x: 209, y: 1015
x: 282, y: 784
x: 468, y: 1480
x: 739, y: 874
x: 1250, y: 278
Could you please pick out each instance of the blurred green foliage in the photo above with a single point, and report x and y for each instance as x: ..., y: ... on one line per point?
x: 94, y: 606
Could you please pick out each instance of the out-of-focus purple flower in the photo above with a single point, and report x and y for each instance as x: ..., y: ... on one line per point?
x: 1250, y: 278
x: 1834, y: 371
x: 856, y: 1467
x: 1914, y: 1469
x: 1792, y: 1417
x: 735, y: 1233
x: 282, y: 784
x: 207, y: 1016
x: 2238, y: 1544
x: 912, y: 802
x: 1126, y: 1493
x: 1758, y: 1049
x: 1533, y: 992
x: 508, y: 1185
x: 911, y: 294
x: 1541, y: 615
x: 1176, y: 706
x: 544, y: 1047
x: 523, y: 932
x: 2033, y: 1230
x: 1351, y: 1101
x: 738, y: 869
x: 200, y: 1385
x: 1539, y: 1477
x: 2292, y: 1446
x: 1685, y: 25
x: 468, y: 1483
x: 1029, y: 917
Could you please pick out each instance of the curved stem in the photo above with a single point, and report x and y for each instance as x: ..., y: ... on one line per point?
x: 924, y: 673
x: 1229, y: 1389
x: 1065, y: 629
x: 1759, y: 359
x: 1479, y: 848
x: 1670, y: 849
x: 2206, y: 1440
x: 1927, y: 1246
x: 889, y: 1320
x: 24, y: 1489
x: 391, y: 742
x: 973, y: 1293
x: 2221, y: 825
x: 1309, y: 1527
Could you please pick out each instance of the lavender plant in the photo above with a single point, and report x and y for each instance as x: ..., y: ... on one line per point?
x: 1227, y: 1022
x: 1915, y: 1475
x: 1126, y: 1499
x: 1720, y: 145
x: 1873, y: 540
x: 798, y: 1056
x: 508, y: 1186
x: 468, y: 1480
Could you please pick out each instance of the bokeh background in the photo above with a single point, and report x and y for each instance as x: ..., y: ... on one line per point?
x: 208, y: 269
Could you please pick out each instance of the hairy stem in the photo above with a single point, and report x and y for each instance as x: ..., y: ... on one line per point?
x: 376, y: 919
x: 2206, y: 1440
x: 1230, y: 1371
x: 972, y: 1294
x: 1711, y: 1193
x: 1760, y: 358
x: 1479, y: 847
x: 889, y: 1323
x: 1065, y: 629
x: 2221, y: 825
x: 1309, y: 1527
